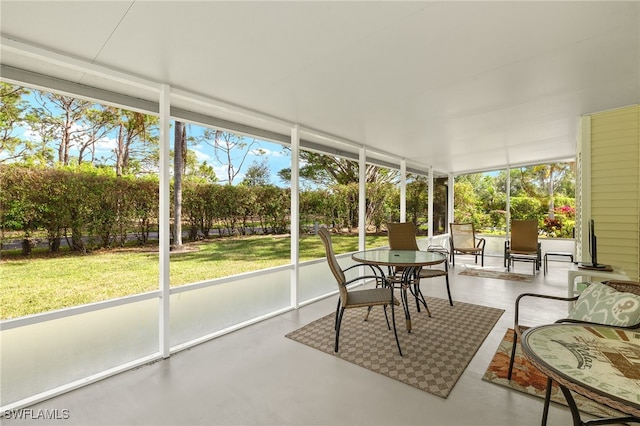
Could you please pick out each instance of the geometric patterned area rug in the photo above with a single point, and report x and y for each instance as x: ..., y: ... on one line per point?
x: 436, y: 352
x: 501, y: 275
x: 528, y: 379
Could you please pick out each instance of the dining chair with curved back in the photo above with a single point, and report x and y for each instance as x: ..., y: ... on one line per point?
x: 382, y: 295
x: 402, y: 236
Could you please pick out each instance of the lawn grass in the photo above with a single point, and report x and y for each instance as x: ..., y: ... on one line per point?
x: 42, y: 283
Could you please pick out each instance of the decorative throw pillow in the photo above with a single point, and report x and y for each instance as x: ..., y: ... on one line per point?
x: 602, y: 304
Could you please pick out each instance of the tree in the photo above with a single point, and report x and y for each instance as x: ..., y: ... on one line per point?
x: 258, y: 174
x: 40, y: 151
x: 230, y: 150
x: 326, y: 170
x: 541, y: 181
x: 203, y: 172
x: 341, y: 177
x: 134, y: 134
x: 13, y: 115
x: 417, y: 199
x: 99, y: 122
x: 465, y: 201
x: 179, y: 147
x: 61, y: 117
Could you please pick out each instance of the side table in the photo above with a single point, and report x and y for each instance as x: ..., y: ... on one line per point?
x: 556, y: 253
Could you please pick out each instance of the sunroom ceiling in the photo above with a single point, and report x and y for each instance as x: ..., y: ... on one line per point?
x: 460, y: 86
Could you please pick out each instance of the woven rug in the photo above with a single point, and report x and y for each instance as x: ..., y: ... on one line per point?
x: 436, y: 352
x: 528, y: 379
x: 501, y: 275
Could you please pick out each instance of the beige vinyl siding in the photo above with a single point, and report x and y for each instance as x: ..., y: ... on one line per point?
x: 615, y: 187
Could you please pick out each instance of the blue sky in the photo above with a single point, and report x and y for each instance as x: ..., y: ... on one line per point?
x: 275, y: 154
x: 277, y: 158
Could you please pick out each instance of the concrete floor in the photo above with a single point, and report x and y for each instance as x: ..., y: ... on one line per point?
x: 256, y: 376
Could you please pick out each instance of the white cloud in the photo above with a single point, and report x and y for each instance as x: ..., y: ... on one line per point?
x: 201, y: 156
x: 30, y: 135
x: 106, y: 144
x: 269, y: 152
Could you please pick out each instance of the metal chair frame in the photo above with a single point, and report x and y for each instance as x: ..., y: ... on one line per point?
x: 382, y: 295
x: 475, y: 246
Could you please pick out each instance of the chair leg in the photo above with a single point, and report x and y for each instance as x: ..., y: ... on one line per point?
x: 482, y: 259
x: 335, y: 323
x: 335, y: 349
x: 386, y: 317
x: 446, y: 277
x: 366, y: 317
x: 513, y: 354
x: 395, y: 331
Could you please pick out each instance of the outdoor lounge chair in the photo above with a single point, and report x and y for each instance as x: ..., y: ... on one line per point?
x: 402, y: 236
x: 594, y: 306
x: 382, y: 295
x: 463, y: 240
x: 523, y: 244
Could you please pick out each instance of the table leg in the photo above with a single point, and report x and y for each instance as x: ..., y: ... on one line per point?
x: 575, y: 414
x: 405, y: 305
x: 406, y: 282
x: 547, y: 400
x: 417, y: 293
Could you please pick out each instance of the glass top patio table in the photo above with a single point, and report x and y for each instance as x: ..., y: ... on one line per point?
x: 410, y: 260
x: 405, y: 258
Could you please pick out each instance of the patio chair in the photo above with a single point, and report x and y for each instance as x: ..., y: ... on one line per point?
x: 382, y: 295
x: 402, y: 236
x: 524, y: 244
x: 463, y: 240
x: 615, y: 303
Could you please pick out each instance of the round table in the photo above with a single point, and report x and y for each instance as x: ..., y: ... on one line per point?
x: 599, y: 362
x: 411, y: 261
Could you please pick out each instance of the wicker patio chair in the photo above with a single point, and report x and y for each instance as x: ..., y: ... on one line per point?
x: 632, y: 287
x: 463, y: 240
x: 382, y: 295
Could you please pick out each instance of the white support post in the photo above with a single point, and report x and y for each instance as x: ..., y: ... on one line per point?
x: 163, y: 226
x: 295, y: 214
x: 430, y: 207
x: 450, y: 195
x: 403, y: 190
x: 362, y: 197
x: 508, y: 206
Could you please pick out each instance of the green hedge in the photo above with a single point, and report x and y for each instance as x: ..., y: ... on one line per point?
x: 89, y: 207
x: 93, y: 208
